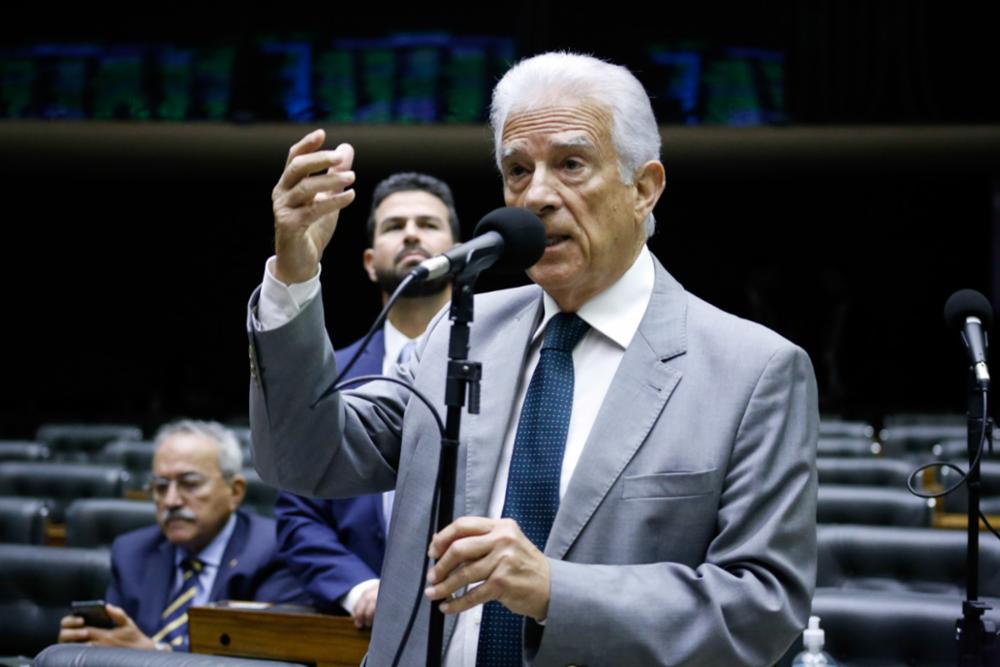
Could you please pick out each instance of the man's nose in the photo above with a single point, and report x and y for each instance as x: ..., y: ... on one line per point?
x: 411, y: 232
x: 541, y: 197
x: 172, y: 498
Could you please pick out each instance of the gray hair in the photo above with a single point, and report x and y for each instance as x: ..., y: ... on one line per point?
x: 230, y: 454
x: 552, y: 78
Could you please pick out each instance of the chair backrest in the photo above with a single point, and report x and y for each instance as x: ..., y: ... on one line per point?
x: 96, y: 522
x: 847, y: 446
x: 134, y: 456
x: 915, y: 560
x: 23, y: 450
x: 260, y: 495
x: 989, y: 487
x: 879, y: 628
x: 61, y: 482
x: 918, y: 440
x: 81, y: 442
x: 36, y: 586
x: 77, y: 655
x: 22, y: 520
x: 888, y: 473
x: 854, y: 504
x: 843, y: 428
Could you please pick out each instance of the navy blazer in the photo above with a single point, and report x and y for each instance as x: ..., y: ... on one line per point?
x: 143, y: 572
x: 334, y: 545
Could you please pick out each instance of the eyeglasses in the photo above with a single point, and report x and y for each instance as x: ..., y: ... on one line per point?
x: 188, y: 485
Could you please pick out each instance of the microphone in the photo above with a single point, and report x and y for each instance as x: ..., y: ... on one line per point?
x: 514, y: 237
x: 971, y: 311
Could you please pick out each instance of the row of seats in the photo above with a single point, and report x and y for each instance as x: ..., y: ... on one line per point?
x: 59, y: 484
x: 84, y: 442
x: 912, y: 566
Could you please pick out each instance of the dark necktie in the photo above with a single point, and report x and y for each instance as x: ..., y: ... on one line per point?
x: 174, y: 618
x: 535, y: 469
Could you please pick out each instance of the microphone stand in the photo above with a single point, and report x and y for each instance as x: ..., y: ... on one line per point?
x: 463, y: 376
x: 978, y: 644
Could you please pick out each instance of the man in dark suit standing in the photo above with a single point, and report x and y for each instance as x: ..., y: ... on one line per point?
x: 204, y: 548
x: 335, y: 547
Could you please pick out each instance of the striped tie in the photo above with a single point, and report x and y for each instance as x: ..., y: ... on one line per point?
x: 174, y: 629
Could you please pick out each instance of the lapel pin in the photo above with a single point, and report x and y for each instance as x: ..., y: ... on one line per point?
x: 233, y: 563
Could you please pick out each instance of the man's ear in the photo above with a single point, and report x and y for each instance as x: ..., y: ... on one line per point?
x: 649, y: 182
x: 368, y: 259
x: 238, y: 486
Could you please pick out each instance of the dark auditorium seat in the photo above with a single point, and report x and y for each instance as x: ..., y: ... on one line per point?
x: 23, y: 450
x: 989, y: 479
x: 918, y: 441
x: 77, y: 655
x: 843, y: 428
x: 96, y: 522
x: 881, y: 629
x: 260, y: 496
x: 903, y: 560
x: 134, y: 456
x: 887, y: 473
x: 22, y: 520
x: 871, y: 506
x: 61, y: 482
x: 81, y: 442
x: 36, y: 586
x: 844, y: 446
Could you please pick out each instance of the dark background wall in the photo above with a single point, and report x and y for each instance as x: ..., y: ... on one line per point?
x: 130, y: 249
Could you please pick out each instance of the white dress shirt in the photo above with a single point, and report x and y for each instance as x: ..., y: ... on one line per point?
x: 613, y: 315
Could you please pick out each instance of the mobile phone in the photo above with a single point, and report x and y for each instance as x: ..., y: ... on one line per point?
x: 93, y: 613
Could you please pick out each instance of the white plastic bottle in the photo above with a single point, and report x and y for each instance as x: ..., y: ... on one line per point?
x: 813, y: 639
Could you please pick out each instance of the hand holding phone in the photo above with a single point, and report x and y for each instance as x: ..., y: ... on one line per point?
x: 93, y: 612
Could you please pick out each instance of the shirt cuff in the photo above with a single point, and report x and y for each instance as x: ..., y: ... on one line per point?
x: 352, y: 597
x: 280, y: 303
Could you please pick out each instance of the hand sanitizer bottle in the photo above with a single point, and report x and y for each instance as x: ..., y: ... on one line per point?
x: 813, y: 639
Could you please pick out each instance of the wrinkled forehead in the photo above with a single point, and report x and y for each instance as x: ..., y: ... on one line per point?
x: 579, y: 123
x: 186, y: 452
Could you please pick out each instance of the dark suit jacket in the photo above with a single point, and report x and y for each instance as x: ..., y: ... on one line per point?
x: 142, y: 570
x: 334, y: 545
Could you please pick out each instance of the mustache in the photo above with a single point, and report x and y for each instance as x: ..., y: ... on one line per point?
x: 176, y: 513
x: 409, y: 250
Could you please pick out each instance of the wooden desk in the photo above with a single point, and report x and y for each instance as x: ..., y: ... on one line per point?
x: 959, y: 521
x: 276, y: 633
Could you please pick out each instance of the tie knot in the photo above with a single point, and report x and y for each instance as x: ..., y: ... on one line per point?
x: 191, y: 565
x: 563, y: 332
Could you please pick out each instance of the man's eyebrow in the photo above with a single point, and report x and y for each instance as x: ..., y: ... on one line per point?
x: 574, y: 142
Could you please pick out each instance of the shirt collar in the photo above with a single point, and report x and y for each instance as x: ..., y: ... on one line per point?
x: 617, y: 311
x: 213, y: 553
x: 394, y: 341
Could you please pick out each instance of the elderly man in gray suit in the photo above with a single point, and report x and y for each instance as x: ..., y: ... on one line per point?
x: 639, y: 487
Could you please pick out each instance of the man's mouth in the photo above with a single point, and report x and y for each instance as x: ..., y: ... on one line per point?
x: 555, y: 239
x: 412, y: 256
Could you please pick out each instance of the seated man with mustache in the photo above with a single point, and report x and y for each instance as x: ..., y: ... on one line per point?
x: 336, y: 547
x: 204, y: 549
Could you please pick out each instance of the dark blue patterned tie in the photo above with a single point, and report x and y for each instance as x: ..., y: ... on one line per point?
x: 535, y: 468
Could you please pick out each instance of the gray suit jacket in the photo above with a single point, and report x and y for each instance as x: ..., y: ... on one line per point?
x: 687, y: 533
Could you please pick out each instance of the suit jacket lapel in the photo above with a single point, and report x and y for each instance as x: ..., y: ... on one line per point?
x: 482, y: 442
x: 640, y: 389
x: 483, y: 435
x: 230, y: 558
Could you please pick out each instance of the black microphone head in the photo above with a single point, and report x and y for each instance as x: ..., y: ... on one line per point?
x: 523, y: 236
x: 965, y: 303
